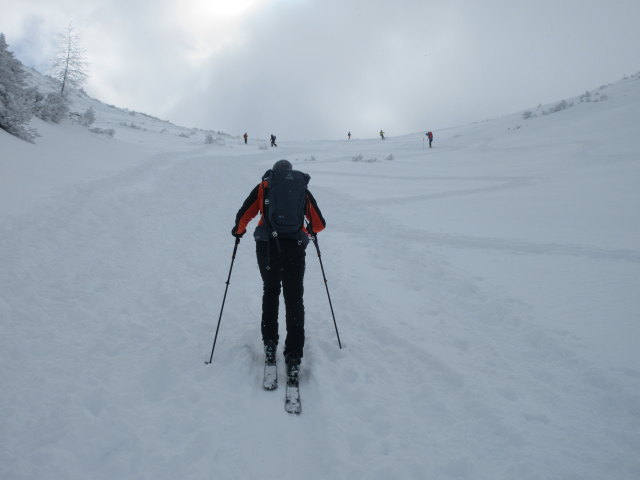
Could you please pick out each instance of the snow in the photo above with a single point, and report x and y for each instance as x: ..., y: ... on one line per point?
x: 486, y: 293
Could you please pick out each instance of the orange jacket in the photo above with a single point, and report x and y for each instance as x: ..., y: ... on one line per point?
x: 254, y: 204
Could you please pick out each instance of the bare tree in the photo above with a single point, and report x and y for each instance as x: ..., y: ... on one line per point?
x: 70, y: 64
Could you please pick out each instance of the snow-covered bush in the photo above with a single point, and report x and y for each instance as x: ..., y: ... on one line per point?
x: 133, y: 125
x: 600, y: 97
x: 585, y: 97
x: 527, y: 115
x: 16, y: 100
x: 209, y: 139
x: 52, y: 108
x: 88, y: 117
x: 596, y: 97
x: 360, y: 158
x: 109, y: 131
x: 558, y: 107
x: 75, y: 117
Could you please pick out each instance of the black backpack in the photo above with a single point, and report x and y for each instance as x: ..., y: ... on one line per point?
x: 284, y: 202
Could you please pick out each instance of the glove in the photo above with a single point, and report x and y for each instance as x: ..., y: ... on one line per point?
x: 235, y: 233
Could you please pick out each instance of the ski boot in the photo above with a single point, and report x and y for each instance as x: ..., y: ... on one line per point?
x: 270, y: 380
x: 293, y: 369
x: 292, y: 403
x: 270, y: 348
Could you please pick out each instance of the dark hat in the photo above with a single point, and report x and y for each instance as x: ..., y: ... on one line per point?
x: 282, y: 165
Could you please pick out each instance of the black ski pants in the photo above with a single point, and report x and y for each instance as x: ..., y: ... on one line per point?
x: 286, y: 272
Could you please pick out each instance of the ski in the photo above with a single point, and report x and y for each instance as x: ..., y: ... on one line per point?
x: 270, y: 381
x: 292, y: 397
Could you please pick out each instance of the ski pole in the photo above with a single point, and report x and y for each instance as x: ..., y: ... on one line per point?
x: 233, y: 257
x: 315, y: 242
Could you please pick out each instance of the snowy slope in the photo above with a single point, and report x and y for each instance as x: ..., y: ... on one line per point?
x: 485, y: 291
x: 66, y: 155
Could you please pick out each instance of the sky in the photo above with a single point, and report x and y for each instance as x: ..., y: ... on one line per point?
x: 316, y: 69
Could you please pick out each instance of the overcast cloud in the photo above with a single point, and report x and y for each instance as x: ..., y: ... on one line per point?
x: 306, y: 69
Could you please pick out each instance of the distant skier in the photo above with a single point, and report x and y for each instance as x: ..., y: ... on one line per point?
x: 281, y: 257
x: 246, y: 137
x: 349, y: 136
x: 273, y: 140
x: 430, y: 136
x: 381, y: 134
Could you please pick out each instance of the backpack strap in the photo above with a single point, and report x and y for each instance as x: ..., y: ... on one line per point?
x: 265, y: 214
x: 308, y: 215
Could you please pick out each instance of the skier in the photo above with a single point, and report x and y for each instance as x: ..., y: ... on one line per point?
x: 281, y: 257
x: 246, y: 137
x: 349, y: 136
x: 430, y: 136
x: 273, y: 140
x: 381, y: 134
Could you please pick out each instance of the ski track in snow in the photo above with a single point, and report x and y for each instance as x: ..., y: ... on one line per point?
x: 110, y: 294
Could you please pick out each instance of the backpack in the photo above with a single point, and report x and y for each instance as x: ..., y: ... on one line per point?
x: 284, y: 202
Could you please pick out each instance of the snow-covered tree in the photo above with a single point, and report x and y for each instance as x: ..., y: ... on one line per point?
x: 16, y: 100
x: 70, y: 64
